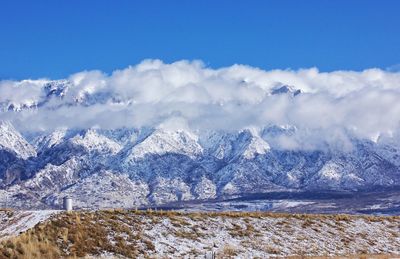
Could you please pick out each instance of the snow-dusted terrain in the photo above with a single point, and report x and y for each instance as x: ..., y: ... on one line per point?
x: 12, y: 223
x: 151, y: 166
x: 138, y: 234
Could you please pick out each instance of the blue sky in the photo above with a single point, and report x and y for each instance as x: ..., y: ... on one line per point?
x: 56, y: 38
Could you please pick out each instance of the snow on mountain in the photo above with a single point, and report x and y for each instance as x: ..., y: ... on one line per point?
x: 162, y: 142
x: 12, y: 141
x: 53, y: 94
x: 40, y: 93
x: 164, y: 190
x: 105, y: 189
x: 257, y: 146
x: 219, y: 145
x: 141, y: 166
x: 125, y: 136
x: 56, y: 88
x: 47, y: 141
x: 205, y: 189
x: 389, y: 150
x: 138, y: 167
x: 335, y: 174
x: 94, y: 142
x: 285, y: 89
x: 53, y: 178
x: 229, y: 146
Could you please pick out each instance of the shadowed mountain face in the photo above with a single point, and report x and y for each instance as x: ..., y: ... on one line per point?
x: 147, y: 167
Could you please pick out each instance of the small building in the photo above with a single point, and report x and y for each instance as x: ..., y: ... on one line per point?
x: 67, y: 203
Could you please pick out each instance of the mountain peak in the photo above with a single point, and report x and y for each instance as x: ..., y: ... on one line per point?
x: 256, y: 146
x: 48, y: 141
x: 163, y: 141
x: 56, y: 88
x: 93, y: 141
x: 11, y: 140
x: 285, y: 89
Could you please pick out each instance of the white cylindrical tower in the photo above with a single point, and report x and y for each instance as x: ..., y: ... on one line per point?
x: 67, y: 203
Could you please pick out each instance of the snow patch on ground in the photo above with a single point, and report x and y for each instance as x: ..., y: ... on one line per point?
x: 13, y: 223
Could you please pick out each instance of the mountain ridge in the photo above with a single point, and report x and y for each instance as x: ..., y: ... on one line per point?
x: 170, y: 161
x: 177, y: 165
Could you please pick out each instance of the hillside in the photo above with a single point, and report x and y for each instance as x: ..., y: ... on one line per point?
x: 150, y: 234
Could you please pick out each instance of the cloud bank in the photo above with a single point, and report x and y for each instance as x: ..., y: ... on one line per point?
x: 334, y: 106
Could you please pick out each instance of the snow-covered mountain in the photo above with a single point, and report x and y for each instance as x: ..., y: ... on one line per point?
x: 12, y: 141
x: 139, y: 167
x: 129, y: 167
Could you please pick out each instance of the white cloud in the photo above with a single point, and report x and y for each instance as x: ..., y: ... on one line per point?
x: 332, y: 108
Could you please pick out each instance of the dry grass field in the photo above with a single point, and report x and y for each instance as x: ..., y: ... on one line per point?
x: 168, y: 234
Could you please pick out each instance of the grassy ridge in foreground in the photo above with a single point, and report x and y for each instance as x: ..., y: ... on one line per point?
x: 160, y: 234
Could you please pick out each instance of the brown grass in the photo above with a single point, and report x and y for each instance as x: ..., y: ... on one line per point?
x: 78, y: 234
x: 356, y: 256
x: 229, y: 251
x: 74, y: 234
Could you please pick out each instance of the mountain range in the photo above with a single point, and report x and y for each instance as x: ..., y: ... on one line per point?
x: 151, y: 166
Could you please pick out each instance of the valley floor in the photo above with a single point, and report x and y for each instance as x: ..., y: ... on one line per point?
x: 158, y: 234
